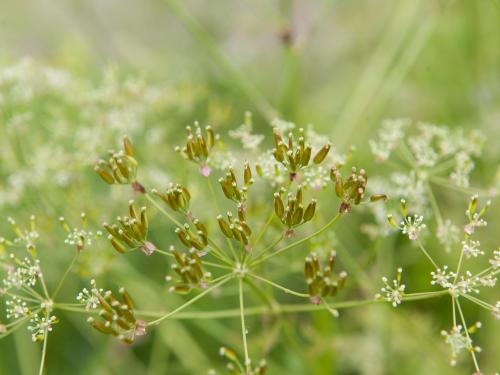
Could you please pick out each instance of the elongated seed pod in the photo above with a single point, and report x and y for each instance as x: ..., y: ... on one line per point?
x: 310, y: 211
x: 321, y: 155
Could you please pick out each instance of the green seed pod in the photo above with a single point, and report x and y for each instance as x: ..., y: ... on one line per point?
x: 279, y: 207
x: 224, y: 227
x: 321, y: 155
x: 247, y: 174
x: 310, y: 211
x: 210, y: 137
x: 118, y: 246
x: 105, y: 176
x: 127, y: 146
x: 297, y: 215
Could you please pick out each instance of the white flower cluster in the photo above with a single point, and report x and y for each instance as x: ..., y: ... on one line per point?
x: 25, y: 274
x: 16, y: 307
x: 79, y: 237
x: 392, y: 292
x: 248, y: 140
x: 459, y: 340
x: 89, y: 298
x: 448, y: 234
x: 40, y: 326
x: 411, y: 225
x: 389, y: 135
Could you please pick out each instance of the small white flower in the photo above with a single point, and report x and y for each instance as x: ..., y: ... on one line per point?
x: 470, y: 248
x: 393, y: 292
x: 441, y: 277
x: 89, y: 298
x: 448, y: 234
x: 458, y: 341
x: 495, y: 260
x: 40, y: 326
x: 412, y: 226
x: 16, y: 308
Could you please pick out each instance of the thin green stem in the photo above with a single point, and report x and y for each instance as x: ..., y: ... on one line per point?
x: 479, y: 302
x: 264, y: 229
x: 23, y: 297
x: 476, y: 365
x: 14, y: 326
x: 427, y: 255
x: 454, y: 312
x: 65, y: 275
x: 224, y: 280
x: 433, y: 202
x: 243, y: 327
x: 423, y: 295
x: 284, y: 289
x: 33, y: 292
x: 44, y: 348
x: 162, y: 210
x: 270, y: 247
x: 44, y: 286
x: 466, y: 190
x: 299, y: 242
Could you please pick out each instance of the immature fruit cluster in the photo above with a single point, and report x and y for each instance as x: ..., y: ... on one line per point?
x: 131, y: 232
x: 198, y: 146
x: 177, y: 197
x: 121, y: 167
x: 189, y: 270
x: 293, y: 214
x: 321, y: 281
x: 352, y: 190
x: 117, y: 317
x: 230, y: 186
x: 236, y: 228
x: 295, y: 156
x: 198, y: 240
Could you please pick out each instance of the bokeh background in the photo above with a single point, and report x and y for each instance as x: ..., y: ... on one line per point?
x: 76, y: 75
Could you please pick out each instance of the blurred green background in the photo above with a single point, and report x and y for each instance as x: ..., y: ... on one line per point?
x: 85, y: 72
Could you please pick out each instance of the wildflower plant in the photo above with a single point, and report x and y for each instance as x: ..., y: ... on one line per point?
x: 268, y: 204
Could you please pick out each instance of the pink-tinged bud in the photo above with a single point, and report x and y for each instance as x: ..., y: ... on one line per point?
x: 148, y: 248
x: 138, y: 188
x: 316, y: 300
x: 205, y: 170
x: 289, y: 233
x: 140, y: 327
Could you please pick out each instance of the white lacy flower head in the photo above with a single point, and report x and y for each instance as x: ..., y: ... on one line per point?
x: 16, y: 308
x: 392, y: 292
x: 40, y: 326
x: 89, y: 298
x: 411, y: 186
x: 411, y: 225
x: 496, y: 310
x: 26, y: 273
x: 495, y: 260
x: 282, y: 125
x: 27, y: 237
x: 442, y: 277
x: 459, y: 340
x: 468, y: 283
x: 275, y: 172
x: 244, y: 134
x: 389, y: 135
x: 448, y: 234
x: 463, y: 168
x: 470, y: 248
